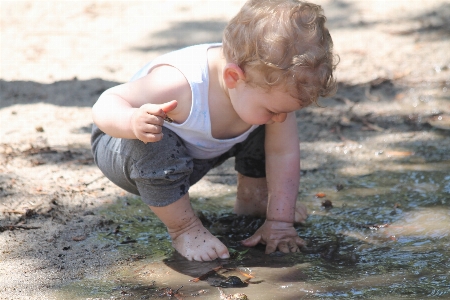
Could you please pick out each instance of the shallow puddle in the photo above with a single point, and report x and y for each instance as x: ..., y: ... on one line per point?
x: 385, y: 237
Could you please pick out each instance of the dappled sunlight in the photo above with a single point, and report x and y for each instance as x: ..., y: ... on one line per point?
x: 417, y: 226
x: 377, y: 152
x: 424, y: 222
x: 367, y: 286
x: 441, y: 166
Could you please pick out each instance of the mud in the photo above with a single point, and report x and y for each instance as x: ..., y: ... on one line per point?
x: 378, y: 151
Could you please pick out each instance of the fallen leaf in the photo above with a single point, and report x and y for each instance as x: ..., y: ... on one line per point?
x: 79, y: 238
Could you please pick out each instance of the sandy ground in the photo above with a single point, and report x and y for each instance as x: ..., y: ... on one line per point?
x: 57, y: 57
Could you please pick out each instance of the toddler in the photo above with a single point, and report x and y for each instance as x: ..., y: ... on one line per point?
x: 189, y: 110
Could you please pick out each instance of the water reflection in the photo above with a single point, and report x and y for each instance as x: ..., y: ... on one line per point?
x: 386, y: 237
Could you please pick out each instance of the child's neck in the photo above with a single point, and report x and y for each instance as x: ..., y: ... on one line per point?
x: 216, y: 63
x: 225, y: 122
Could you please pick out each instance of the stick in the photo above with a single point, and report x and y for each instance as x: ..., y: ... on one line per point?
x: 14, y: 227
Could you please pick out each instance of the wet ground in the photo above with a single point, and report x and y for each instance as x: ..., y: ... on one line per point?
x: 378, y: 231
x: 382, y: 236
x: 375, y: 160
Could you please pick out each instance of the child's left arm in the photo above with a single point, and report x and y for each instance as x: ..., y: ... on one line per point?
x: 283, y: 179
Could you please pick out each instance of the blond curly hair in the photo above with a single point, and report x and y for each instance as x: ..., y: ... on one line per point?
x: 286, y: 42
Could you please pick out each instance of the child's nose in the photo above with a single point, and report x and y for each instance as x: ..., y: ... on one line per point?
x: 280, y: 118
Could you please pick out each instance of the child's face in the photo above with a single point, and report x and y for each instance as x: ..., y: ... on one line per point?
x: 257, y: 106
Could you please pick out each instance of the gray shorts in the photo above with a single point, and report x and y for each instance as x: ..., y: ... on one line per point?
x: 162, y: 172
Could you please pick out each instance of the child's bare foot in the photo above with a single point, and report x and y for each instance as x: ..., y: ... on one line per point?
x: 195, y: 242
x: 251, y: 199
x: 301, y: 213
x: 189, y: 237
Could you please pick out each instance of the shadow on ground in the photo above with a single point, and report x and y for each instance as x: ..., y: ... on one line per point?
x: 79, y: 93
x: 88, y: 241
x: 183, y: 34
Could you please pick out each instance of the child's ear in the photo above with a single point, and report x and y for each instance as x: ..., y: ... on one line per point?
x: 232, y: 73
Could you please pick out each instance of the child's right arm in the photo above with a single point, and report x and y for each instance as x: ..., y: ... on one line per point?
x: 136, y: 110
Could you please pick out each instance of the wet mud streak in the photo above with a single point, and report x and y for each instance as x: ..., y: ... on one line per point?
x: 231, y: 229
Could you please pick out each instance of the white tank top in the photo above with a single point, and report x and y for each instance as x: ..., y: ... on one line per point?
x: 196, y: 130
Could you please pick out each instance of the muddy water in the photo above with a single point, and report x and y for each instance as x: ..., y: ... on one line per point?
x: 397, y: 224
x: 386, y: 236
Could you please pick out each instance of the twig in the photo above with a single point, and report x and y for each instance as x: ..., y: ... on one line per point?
x: 342, y: 137
x: 370, y: 125
x: 14, y: 227
x: 368, y: 95
x: 92, y: 181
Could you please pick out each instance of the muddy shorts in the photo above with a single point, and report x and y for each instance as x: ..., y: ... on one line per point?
x: 162, y: 172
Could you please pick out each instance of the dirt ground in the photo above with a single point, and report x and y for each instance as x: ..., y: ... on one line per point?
x: 57, y: 57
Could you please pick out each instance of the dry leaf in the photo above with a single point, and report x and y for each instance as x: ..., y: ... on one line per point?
x: 79, y: 238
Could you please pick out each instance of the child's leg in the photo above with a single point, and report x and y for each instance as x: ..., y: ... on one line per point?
x: 189, y: 237
x: 251, y: 199
x: 161, y: 173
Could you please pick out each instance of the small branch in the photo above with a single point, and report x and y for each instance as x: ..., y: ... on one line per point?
x: 14, y: 227
x: 339, y: 134
x: 90, y: 182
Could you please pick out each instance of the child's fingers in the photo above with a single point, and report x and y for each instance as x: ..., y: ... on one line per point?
x: 152, y: 127
x: 299, y: 242
x: 159, y: 109
x: 293, y: 247
x: 151, y: 137
x: 147, y: 128
x: 271, y: 247
x: 252, y: 241
x: 169, y: 106
x: 283, y: 247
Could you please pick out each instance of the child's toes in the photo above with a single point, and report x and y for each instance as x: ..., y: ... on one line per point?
x: 222, y: 252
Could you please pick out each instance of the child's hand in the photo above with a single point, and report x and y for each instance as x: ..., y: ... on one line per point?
x: 276, y: 235
x: 147, y: 121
